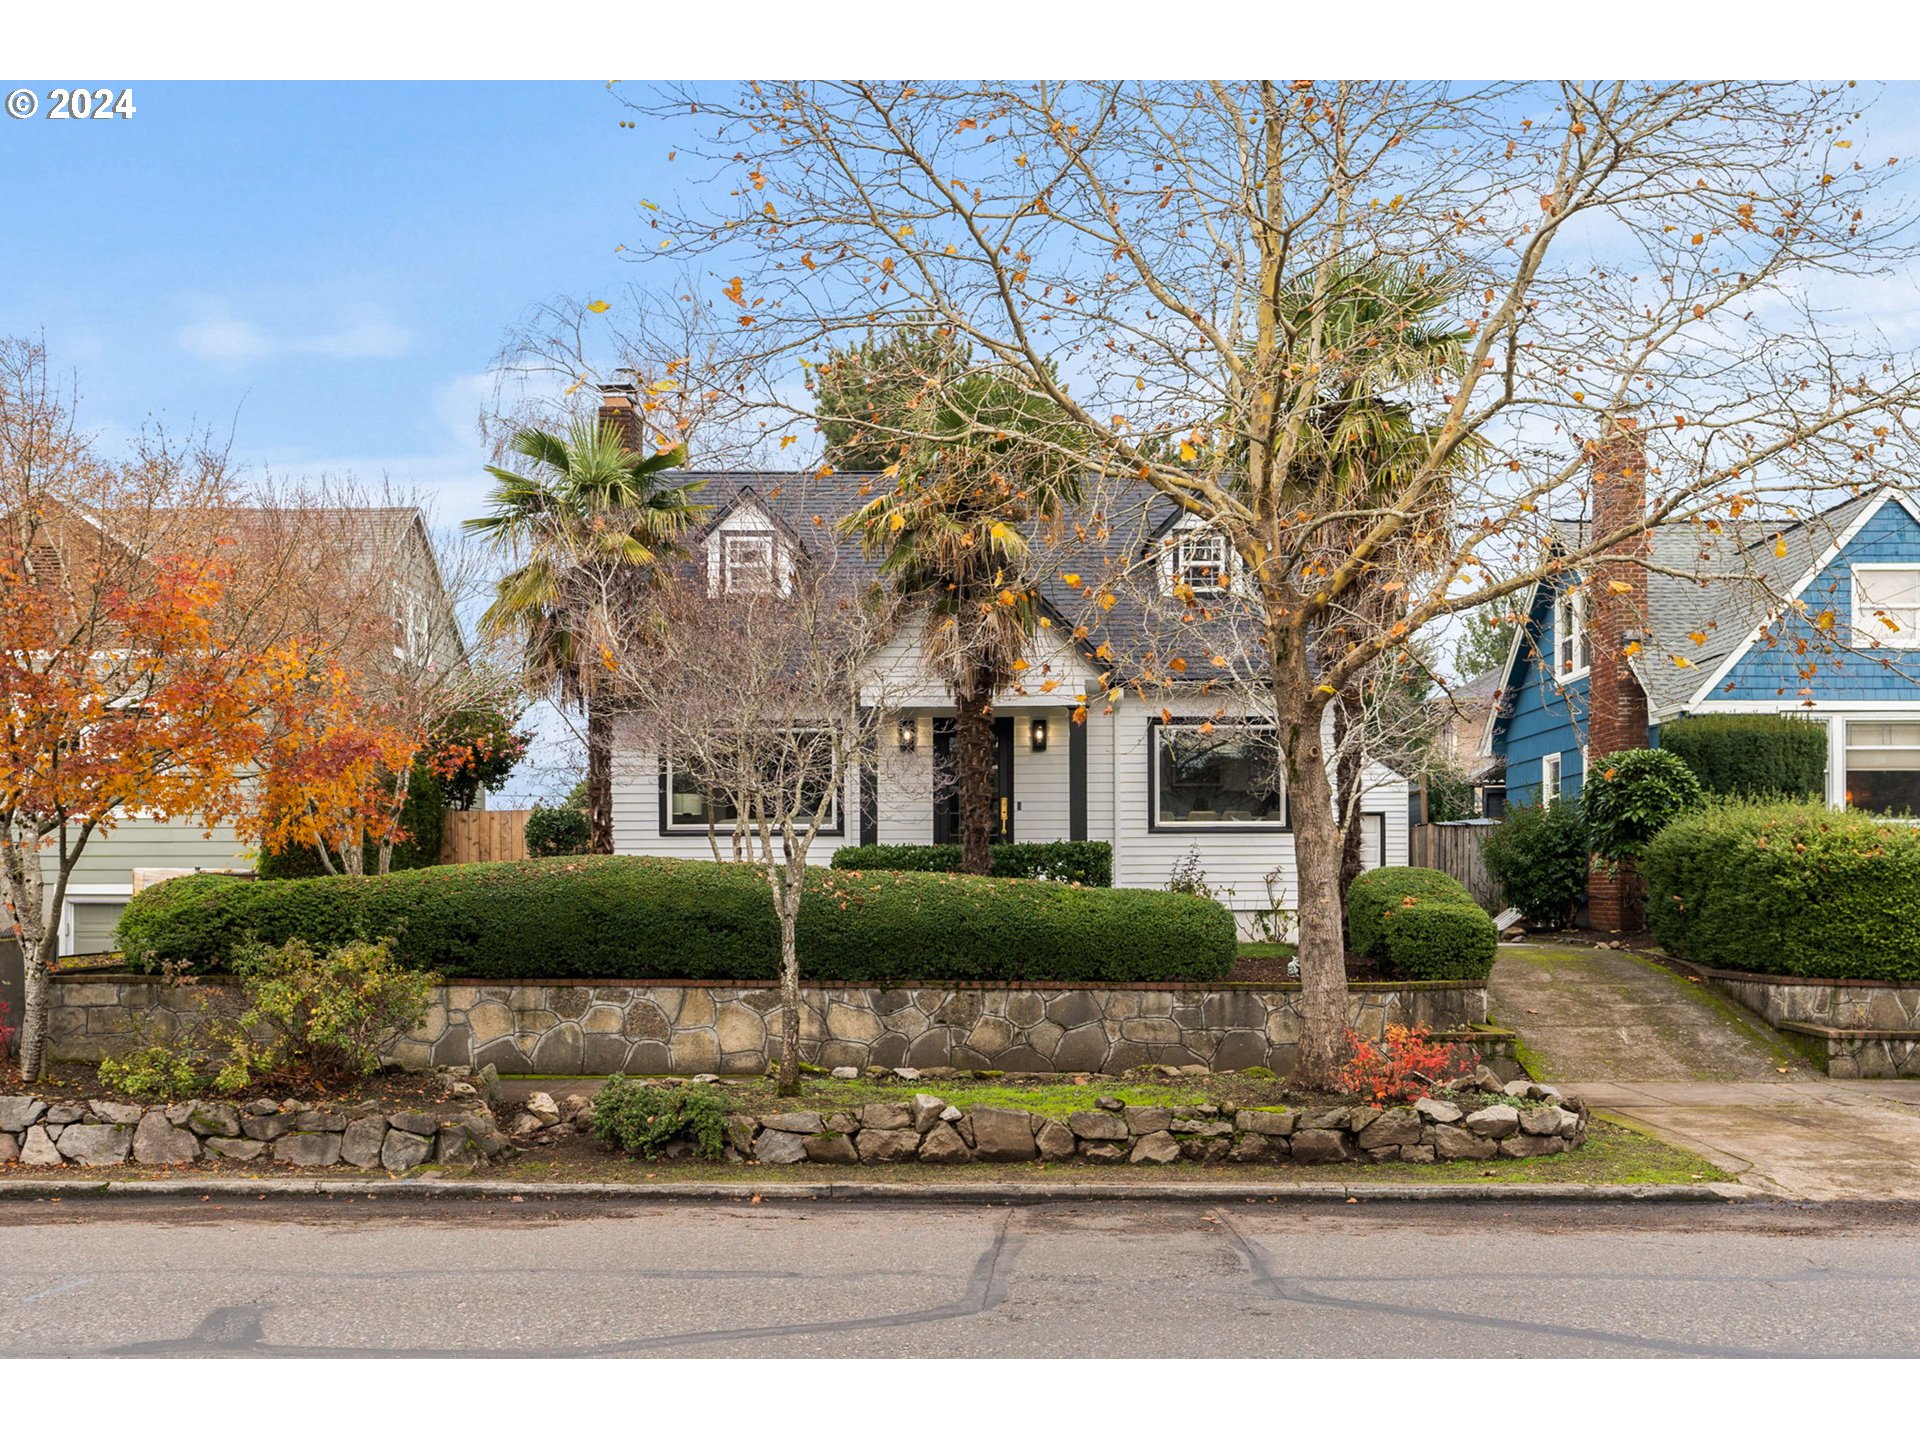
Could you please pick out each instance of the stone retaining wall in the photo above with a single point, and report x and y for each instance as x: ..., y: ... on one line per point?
x: 1522, y: 1121
x: 705, y: 1027
x: 50, y: 1133
x: 1860, y: 1029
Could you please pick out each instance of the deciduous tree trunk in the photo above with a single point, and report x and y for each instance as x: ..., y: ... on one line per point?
x: 1317, y: 851
x: 1348, y: 777
x: 786, y: 904
x: 26, y: 912
x: 978, y: 766
x: 599, y: 776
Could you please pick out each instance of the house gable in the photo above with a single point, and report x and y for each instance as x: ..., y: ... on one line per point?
x: 1808, y: 655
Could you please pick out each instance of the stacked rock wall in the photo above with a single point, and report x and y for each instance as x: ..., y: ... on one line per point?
x: 1522, y: 1121
x: 688, y: 1028
x: 50, y: 1133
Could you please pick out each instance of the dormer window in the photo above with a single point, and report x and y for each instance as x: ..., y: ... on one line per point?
x: 1200, y: 561
x: 747, y: 564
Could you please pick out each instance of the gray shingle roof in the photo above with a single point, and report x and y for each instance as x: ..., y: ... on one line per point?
x: 1719, y: 585
x: 1107, y: 532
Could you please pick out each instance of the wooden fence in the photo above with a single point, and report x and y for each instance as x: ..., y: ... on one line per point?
x: 474, y: 835
x: 1455, y: 848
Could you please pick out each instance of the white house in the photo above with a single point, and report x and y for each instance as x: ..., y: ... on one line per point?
x: 1175, y: 770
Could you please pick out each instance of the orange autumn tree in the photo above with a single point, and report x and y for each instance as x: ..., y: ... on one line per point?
x: 334, y: 770
x: 129, y: 704
x: 138, y: 667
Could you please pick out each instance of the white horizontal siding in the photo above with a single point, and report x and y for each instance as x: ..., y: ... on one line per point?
x: 1235, y: 865
x: 637, y: 815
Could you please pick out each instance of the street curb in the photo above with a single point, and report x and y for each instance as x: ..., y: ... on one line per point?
x: 1197, y: 1193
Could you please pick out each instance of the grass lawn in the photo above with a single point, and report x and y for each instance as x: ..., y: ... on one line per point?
x: 1266, y: 950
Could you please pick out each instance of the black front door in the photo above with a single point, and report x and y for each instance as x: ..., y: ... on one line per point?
x: 946, y: 803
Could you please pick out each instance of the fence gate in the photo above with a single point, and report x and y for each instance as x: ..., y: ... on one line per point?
x: 474, y: 835
x: 1454, y: 847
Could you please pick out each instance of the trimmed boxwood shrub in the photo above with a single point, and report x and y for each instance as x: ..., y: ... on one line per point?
x: 1751, y: 756
x: 1374, y: 892
x: 1440, y: 940
x: 1538, y: 853
x: 1082, y: 862
x: 641, y: 917
x: 1788, y: 889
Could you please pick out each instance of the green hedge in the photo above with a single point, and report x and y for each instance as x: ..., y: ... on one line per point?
x: 1788, y: 889
x: 1375, y: 892
x: 1440, y: 940
x: 1082, y: 862
x: 633, y: 917
x: 1751, y: 756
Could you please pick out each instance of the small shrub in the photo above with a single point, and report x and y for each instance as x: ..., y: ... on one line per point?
x: 155, y: 1072
x: 1539, y: 855
x: 1751, y: 756
x: 557, y: 830
x: 1076, y: 862
x: 1408, y: 1065
x: 644, y: 1119
x: 1440, y: 940
x: 1374, y: 892
x: 326, y: 1013
x: 1788, y: 889
x: 1189, y: 876
x: 1629, y: 797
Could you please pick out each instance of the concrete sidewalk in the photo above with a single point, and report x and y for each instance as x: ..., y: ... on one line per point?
x: 1642, y: 1044
x: 1813, y: 1140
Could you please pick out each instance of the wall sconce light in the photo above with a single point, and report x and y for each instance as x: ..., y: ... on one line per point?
x: 909, y: 736
x: 1037, y: 734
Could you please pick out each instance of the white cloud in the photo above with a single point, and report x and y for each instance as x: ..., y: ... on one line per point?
x: 364, y: 333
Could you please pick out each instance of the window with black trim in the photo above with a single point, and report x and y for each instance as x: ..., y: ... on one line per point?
x: 800, y: 777
x: 1217, y: 773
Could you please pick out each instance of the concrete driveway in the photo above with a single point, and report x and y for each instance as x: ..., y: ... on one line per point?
x: 1662, y: 1053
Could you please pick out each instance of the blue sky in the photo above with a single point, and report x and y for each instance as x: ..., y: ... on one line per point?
x: 326, y: 270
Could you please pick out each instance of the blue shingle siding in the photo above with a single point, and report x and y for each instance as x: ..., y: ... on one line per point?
x: 1541, y: 718
x: 1796, y: 655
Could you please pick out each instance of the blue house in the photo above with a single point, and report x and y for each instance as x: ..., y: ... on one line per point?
x: 1820, y: 619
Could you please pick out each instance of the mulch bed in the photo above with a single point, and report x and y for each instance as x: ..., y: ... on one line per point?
x: 1269, y: 969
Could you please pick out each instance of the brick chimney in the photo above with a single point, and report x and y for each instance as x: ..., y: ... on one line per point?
x: 1616, y: 705
x: 620, y: 407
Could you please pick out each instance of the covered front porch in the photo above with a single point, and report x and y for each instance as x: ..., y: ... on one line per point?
x: 1041, y: 777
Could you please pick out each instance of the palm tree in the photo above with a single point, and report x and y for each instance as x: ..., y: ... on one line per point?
x: 587, y: 524
x: 989, y: 460
x: 1376, y: 331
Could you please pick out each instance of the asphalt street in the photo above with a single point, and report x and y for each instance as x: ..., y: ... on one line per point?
x: 407, y: 1278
